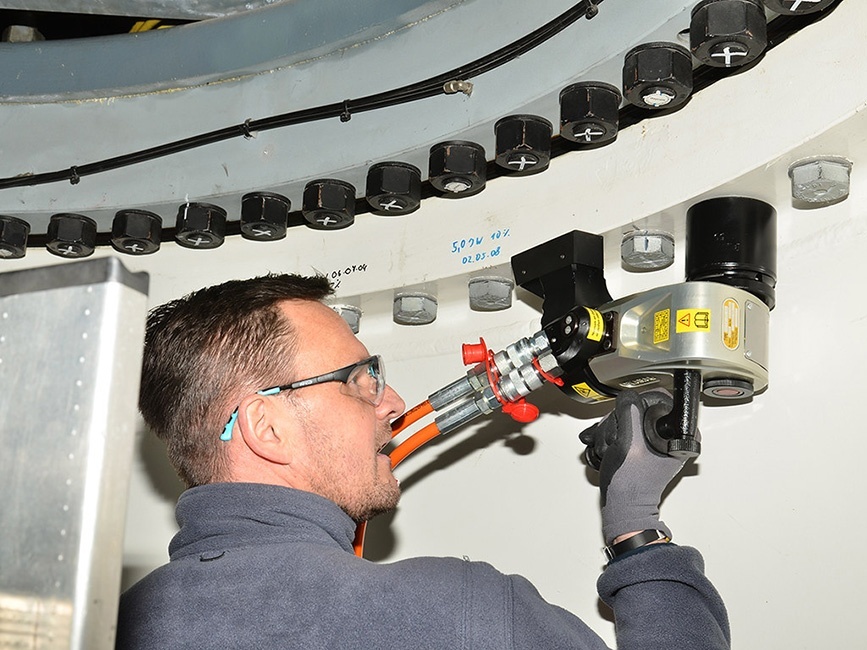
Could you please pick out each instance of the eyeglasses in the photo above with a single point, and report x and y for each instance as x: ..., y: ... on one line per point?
x: 363, y: 380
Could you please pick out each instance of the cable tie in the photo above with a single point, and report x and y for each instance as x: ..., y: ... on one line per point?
x: 245, y: 129
x: 345, y: 116
x: 458, y: 86
x: 592, y: 10
x: 74, y: 178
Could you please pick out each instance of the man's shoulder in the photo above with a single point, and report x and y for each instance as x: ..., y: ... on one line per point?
x: 429, y: 573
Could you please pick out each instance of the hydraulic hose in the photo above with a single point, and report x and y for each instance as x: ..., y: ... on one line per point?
x: 411, y: 416
x: 399, y: 453
x: 498, y: 380
x: 414, y: 442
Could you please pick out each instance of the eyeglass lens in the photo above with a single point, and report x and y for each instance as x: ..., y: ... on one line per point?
x: 367, y: 381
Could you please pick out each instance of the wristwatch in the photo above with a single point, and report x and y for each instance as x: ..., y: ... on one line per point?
x: 636, y: 541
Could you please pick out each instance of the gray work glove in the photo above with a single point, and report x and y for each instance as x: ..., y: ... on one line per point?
x: 632, y: 475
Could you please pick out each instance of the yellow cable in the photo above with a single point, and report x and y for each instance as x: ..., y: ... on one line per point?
x: 145, y: 25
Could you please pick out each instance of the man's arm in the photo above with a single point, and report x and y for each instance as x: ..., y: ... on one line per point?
x: 659, y: 593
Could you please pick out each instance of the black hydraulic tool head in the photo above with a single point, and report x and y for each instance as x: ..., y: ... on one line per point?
x: 565, y: 271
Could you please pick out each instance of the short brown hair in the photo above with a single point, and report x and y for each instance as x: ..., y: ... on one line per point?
x: 205, y: 352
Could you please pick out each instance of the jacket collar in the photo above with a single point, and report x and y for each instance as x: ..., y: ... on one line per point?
x: 220, y: 516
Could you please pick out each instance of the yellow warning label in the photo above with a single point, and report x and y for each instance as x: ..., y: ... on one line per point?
x: 597, y: 325
x: 661, y: 326
x: 692, y: 320
x: 731, y: 323
x: 586, y: 392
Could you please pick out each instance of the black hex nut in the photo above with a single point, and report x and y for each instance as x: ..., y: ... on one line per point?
x: 590, y: 113
x: 657, y: 75
x: 728, y: 33
x: 136, y: 232
x: 13, y: 237
x: 71, y: 235
x: 264, y: 216
x: 393, y: 188
x: 797, y: 7
x: 523, y: 144
x: 457, y: 168
x: 200, y: 225
x: 328, y: 204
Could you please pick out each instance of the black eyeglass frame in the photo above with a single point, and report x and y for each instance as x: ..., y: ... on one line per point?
x: 341, y: 375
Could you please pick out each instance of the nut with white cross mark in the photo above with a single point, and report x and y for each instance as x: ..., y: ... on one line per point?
x: 136, y: 232
x: 264, y: 216
x: 200, y: 225
x: 523, y: 144
x: 393, y: 188
x: 589, y: 113
x: 328, y: 204
x: 71, y: 235
x: 728, y: 33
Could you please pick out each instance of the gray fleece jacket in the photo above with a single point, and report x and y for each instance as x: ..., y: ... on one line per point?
x: 264, y: 567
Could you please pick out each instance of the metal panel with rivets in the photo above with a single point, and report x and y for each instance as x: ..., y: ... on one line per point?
x: 68, y: 416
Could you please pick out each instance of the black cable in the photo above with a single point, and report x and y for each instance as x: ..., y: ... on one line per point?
x: 779, y: 30
x: 343, y: 110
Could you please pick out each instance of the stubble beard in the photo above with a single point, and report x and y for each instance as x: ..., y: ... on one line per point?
x: 360, y: 495
x: 382, y: 495
x: 367, y: 500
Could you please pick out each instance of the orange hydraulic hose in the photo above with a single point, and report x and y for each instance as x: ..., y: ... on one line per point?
x: 416, y: 440
x: 398, y: 455
x: 413, y: 415
x: 358, y: 542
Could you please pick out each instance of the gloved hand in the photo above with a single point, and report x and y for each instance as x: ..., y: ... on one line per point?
x: 632, y: 475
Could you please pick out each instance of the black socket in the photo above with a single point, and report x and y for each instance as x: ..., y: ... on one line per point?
x: 136, y: 232
x: 393, y: 188
x: 264, y: 216
x: 733, y: 240
x: 328, y: 204
x: 728, y: 33
x: 657, y: 75
x: 200, y: 225
x: 13, y: 237
x: 589, y: 113
x: 71, y: 235
x: 457, y: 168
x: 523, y: 144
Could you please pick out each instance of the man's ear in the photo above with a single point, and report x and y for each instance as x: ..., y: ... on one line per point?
x: 264, y: 428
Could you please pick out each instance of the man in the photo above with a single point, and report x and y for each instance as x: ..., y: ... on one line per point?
x: 274, y: 414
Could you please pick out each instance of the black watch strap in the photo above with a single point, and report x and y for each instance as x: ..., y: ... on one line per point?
x: 634, y: 542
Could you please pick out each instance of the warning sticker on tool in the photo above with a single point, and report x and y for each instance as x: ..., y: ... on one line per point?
x: 661, y: 326
x: 692, y: 320
x: 731, y: 323
x: 586, y: 392
x: 597, y: 325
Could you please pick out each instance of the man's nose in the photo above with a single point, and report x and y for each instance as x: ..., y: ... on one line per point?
x: 392, y: 404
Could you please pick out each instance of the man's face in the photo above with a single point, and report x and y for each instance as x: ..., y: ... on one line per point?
x: 337, y: 453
